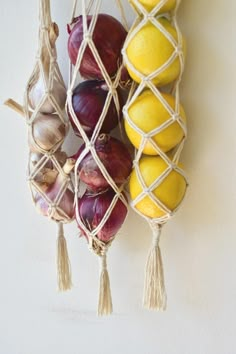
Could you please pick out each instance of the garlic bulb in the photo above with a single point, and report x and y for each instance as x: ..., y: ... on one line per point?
x: 38, y: 87
x: 47, y: 132
x: 37, y: 93
x: 47, y: 174
x: 35, y: 157
x: 65, y: 210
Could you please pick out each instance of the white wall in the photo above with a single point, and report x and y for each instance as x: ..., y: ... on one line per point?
x: 198, y: 245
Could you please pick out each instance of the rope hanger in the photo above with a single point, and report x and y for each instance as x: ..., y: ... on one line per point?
x: 154, y: 290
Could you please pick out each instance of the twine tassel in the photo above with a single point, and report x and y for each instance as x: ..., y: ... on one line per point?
x: 63, y: 263
x: 154, y: 297
x: 105, y: 299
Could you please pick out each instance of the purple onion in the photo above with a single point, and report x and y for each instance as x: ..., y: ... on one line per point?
x: 115, y: 157
x: 88, y: 101
x: 93, y: 207
x: 108, y: 37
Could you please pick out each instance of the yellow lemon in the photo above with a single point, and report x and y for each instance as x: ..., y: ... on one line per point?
x: 150, y: 4
x: 148, y: 113
x: 170, y: 192
x: 149, y: 49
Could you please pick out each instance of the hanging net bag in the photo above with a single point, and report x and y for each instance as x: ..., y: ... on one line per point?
x: 155, y: 123
x: 94, y: 103
x: 49, y: 168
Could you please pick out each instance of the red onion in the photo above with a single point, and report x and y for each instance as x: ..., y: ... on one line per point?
x: 67, y: 201
x: 108, y: 37
x: 88, y: 101
x: 93, y: 207
x: 115, y: 157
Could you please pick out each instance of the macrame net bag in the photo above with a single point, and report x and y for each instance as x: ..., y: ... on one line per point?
x: 99, y: 247
x: 48, y: 167
x: 154, y: 288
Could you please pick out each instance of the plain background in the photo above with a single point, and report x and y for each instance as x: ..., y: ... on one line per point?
x: 198, y: 245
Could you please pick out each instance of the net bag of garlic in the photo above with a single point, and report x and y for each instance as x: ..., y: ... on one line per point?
x: 94, y: 104
x: 155, y: 123
x: 49, y: 168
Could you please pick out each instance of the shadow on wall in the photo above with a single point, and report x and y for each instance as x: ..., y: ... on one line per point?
x: 200, y: 93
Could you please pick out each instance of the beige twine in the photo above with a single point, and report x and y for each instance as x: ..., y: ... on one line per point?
x: 46, y: 67
x: 105, y: 300
x: 154, y: 296
x: 100, y: 248
x: 154, y: 289
x: 63, y: 264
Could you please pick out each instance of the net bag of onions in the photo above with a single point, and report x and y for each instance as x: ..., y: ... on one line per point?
x: 49, y: 168
x: 155, y: 123
x: 94, y: 105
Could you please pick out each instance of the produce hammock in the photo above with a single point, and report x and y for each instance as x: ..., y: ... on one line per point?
x: 154, y: 289
x: 48, y: 168
x: 99, y: 247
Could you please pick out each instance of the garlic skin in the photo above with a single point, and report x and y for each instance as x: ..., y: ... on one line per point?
x: 66, y: 203
x: 47, y: 132
x: 47, y: 174
x: 37, y: 92
x: 35, y: 157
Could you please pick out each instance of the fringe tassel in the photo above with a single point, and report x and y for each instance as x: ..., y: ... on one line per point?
x: 63, y: 263
x: 154, y: 297
x: 105, y: 300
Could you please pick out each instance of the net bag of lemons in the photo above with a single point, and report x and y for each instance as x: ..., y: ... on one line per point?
x: 48, y: 166
x: 155, y: 123
x: 94, y: 104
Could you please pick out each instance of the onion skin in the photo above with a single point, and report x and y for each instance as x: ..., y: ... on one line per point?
x: 125, y: 79
x: 88, y: 101
x: 115, y: 158
x: 48, y: 131
x: 108, y: 37
x: 92, y: 208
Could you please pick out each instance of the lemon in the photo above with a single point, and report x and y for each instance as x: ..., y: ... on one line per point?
x: 150, y: 4
x: 170, y: 192
x: 148, y: 113
x: 149, y: 49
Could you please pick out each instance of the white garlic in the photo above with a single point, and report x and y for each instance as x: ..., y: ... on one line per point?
x: 37, y: 93
x: 47, y: 132
x: 47, y: 174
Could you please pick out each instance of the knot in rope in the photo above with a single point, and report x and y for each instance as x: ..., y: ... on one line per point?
x: 148, y: 17
x: 87, y: 37
x: 52, y: 209
x: 49, y: 153
x: 156, y: 230
x: 60, y: 229
x: 156, y: 239
x: 48, y: 91
x: 145, y: 79
x: 103, y: 261
x: 89, y: 145
x: 146, y: 136
x: 175, y: 117
x: 69, y: 92
x: 179, y: 49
